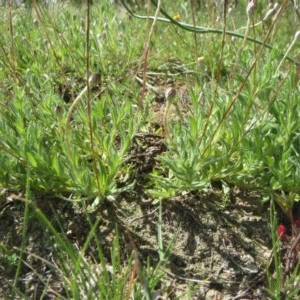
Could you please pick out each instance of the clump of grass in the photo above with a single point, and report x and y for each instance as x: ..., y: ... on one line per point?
x: 32, y: 133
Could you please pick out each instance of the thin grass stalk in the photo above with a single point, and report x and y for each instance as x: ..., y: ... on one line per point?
x: 145, y: 57
x: 19, y: 293
x: 222, y: 44
x: 159, y: 234
x: 274, y: 282
x: 9, y: 152
x: 279, y: 86
x: 12, y: 45
x: 296, y: 9
x: 92, y: 235
x: 60, y: 37
x: 5, y: 60
x: 24, y: 231
x: 35, y: 7
x: 63, y: 40
x: 82, y: 251
x: 296, y: 37
x: 273, y: 98
x: 295, y: 277
x: 255, y: 53
x: 63, y: 246
x: 138, y: 269
x: 194, y: 24
x: 218, y: 70
x: 105, y: 273
x: 250, y: 20
x: 88, y: 22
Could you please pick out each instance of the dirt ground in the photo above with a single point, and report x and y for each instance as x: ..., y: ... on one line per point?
x: 222, y: 250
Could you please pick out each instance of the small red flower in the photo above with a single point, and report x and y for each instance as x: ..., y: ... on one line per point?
x: 281, y: 232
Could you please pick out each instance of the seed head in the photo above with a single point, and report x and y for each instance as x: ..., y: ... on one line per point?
x: 251, y: 7
x: 297, y: 35
x: 271, y: 12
